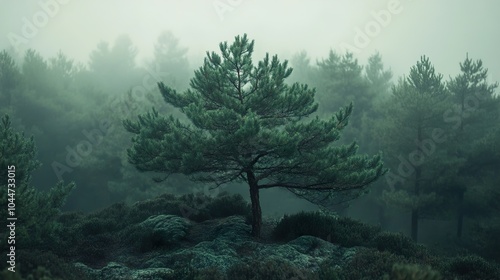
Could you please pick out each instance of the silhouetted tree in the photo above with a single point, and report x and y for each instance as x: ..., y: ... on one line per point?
x: 411, y: 140
x: 10, y: 78
x: 170, y: 58
x: 303, y: 71
x: 340, y: 81
x: 378, y: 78
x: 113, y: 69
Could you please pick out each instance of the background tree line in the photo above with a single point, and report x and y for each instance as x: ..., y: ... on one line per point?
x: 439, y: 139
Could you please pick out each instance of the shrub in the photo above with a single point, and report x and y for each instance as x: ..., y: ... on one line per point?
x: 485, y: 241
x: 400, y: 244
x: 118, y: 213
x: 349, y: 232
x: 156, y: 232
x: 37, y: 263
x: 193, y: 206
x: 209, y: 274
x: 412, y: 272
x: 189, y: 273
x: 329, y: 270
x: 228, y: 205
x: 471, y: 267
x: 268, y: 270
x: 86, y: 237
x: 343, y: 231
x: 304, y: 223
x: 199, y: 207
x: 94, y: 226
x: 95, y: 249
x: 370, y: 264
x: 166, y: 204
x: 37, y: 210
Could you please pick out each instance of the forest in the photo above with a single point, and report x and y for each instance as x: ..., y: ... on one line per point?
x: 417, y: 154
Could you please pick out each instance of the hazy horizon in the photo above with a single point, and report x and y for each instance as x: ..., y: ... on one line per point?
x: 443, y: 31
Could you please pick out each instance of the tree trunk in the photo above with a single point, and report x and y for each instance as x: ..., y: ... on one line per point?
x: 256, y: 211
x: 460, y: 218
x: 414, y: 224
x: 382, y: 216
x: 414, y: 212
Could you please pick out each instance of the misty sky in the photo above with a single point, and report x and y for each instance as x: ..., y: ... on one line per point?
x: 442, y: 30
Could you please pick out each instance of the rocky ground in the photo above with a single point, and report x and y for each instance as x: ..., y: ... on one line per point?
x: 158, y: 239
x: 221, y: 243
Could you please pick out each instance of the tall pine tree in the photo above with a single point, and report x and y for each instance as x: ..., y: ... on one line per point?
x: 411, y: 133
x: 37, y: 211
x: 341, y: 81
x: 474, y: 114
x: 246, y: 124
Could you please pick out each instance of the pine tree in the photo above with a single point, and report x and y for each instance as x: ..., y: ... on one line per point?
x: 303, y: 71
x: 378, y: 78
x: 36, y: 210
x: 340, y: 82
x: 480, y: 203
x: 170, y: 58
x: 9, y: 78
x: 247, y: 125
x: 112, y: 68
x: 15, y: 150
x: 475, y: 112
x: 379, y: 86
x: 408, y: 132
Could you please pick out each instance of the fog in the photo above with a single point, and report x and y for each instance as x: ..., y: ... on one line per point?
x: 443, y: 30
x: 401, y: 31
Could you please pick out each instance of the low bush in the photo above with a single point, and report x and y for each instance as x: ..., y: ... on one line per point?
x: 343, y: 231
x: 349, y: 232
x: 484, y: 239
x: 399, y: 244
x: 370, y: 264
x: 94, y: 250
x: 199, y: 207
x: 412, y: 272
x: 470, y: 267
x: 304, y: 223
x: 268, y: 270
x: 46, y: 264
x: 189, y: 273
x: 228, y: 205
